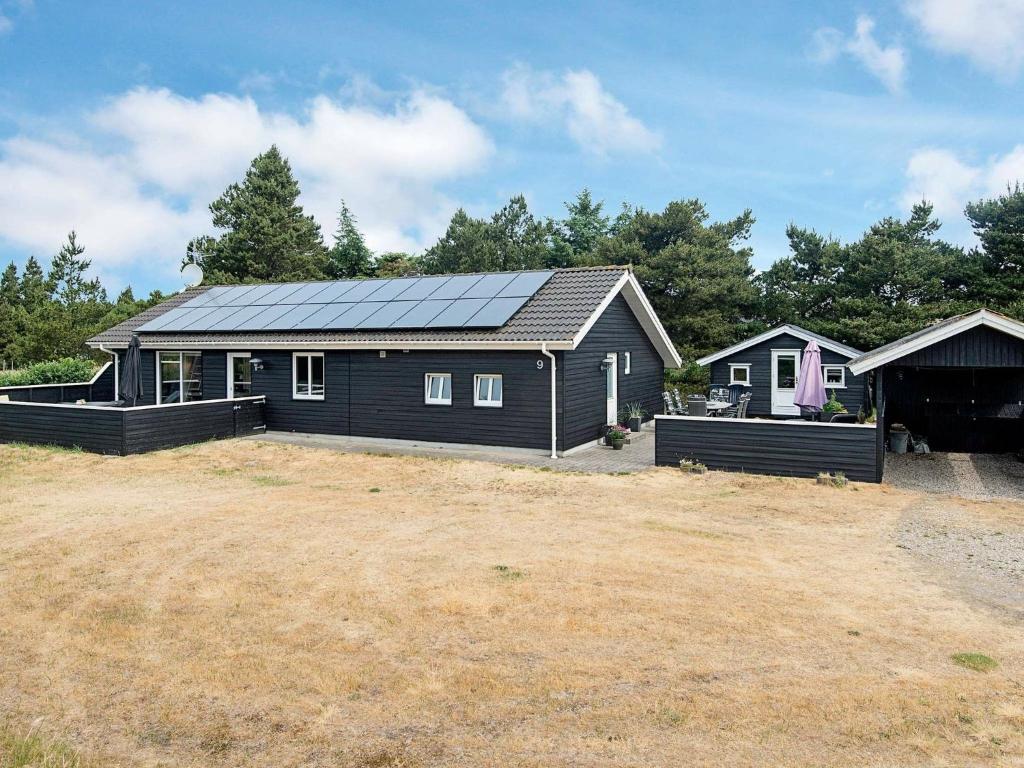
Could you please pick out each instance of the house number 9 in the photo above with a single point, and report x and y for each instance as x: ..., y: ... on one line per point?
x: 540, y: 365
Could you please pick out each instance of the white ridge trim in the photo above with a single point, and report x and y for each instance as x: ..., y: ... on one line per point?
x: 792, y: 330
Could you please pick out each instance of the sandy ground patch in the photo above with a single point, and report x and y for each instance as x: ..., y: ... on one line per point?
x: 250, y: 604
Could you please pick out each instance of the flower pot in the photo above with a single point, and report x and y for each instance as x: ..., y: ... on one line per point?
x: 635, y: 424
x: 617, y: 444
x: 898, y: 441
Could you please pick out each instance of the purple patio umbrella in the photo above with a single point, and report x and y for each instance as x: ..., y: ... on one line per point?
x: 810, y: 389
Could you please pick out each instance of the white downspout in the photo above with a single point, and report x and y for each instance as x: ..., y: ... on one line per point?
x: 117, y: 377
x: 554, y: 401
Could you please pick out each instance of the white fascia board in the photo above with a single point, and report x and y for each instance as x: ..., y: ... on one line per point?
x: 631, y: 291
x: 771, y: 334
x: 343, y: 345
x: 871, y: 360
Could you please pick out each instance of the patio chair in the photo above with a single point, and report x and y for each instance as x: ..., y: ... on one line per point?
x: 680, y: 405
x: 742, y: 405
x: 696, y: 405
x: 736, y: 391
x: 719, y: 392
x: 670, y: 407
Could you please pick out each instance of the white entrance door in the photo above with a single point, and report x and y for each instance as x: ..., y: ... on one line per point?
x: 785, y: 369
x: 611, y: 386
x: 239, y: 375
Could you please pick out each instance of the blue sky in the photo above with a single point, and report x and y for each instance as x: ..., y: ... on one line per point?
x: 123, y: 120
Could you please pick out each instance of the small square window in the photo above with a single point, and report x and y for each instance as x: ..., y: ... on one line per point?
x: 438, y: 389
x: 487, y: 390
x: 834, y: 376
x: 739, y: 374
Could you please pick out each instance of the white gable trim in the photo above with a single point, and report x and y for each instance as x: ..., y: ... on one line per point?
x: 631, y: 291
x: 994, y: 320
x: 771, y: 334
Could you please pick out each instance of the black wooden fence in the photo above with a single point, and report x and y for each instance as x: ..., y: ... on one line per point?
x: 761, y: 446
x: 124, y: 431
x: 100, y: 387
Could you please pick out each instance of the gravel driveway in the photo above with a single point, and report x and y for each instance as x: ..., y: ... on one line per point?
x: 970, y: 475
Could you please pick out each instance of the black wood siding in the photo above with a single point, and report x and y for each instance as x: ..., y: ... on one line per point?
x: 98, y: 430
x: 761, y: 446
x: 387, y: 398
x: 979, y: 347
x: 759, y: 357
x: 583, y: 381
x: 215, y: 375
x: 129, y: 430
x: 328, y: 416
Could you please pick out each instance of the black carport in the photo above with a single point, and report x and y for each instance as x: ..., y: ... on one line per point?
x: 959, y: 383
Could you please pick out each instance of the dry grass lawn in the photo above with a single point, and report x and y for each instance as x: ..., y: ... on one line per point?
x: 252, y: 604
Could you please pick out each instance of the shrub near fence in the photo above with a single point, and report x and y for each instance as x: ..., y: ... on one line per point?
x: 67, y: 370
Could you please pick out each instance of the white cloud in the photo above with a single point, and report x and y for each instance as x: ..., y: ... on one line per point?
x: 939, y: 176
x: 888, y: 64
x: 136, y: 181
x: 988, y: 32
x: 598, y: 122
x: 6, y: 25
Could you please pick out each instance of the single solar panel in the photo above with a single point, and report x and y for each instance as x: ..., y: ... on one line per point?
x: 355, y: 315
x: 159, y: 322
x: 422, y: 313
x: 336, y: 291
x: 205, y: 297
x: 455, y: 287
x: 322, y: 317
x: 525, y: 284
x: 207, y: 321
x: 488, y: 286
x: 179, y: 322
x: 496, y: 312
x: 293, y: 313
x: 391, y: 288
x: 230, y: 322
x: 260, y: 321
x: 307, y: 293
x: 253, y: 296
x: 387, y: 314
x: 361, y: 290
x: 458, y: 312
x: 423, y: 287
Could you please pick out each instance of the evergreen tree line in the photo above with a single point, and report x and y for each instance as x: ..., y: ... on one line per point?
x: 48, y: 315
x: 899, y: 276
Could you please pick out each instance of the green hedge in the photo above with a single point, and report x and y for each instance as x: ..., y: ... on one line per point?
x: 68, y: 370
x: 691, y: 379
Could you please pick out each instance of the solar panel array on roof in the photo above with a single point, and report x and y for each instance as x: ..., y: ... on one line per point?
x: 455, y: 301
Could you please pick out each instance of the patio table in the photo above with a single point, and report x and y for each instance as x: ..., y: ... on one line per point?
x: 717, y: 406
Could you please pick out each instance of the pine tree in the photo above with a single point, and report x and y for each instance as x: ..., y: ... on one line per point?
x: 266, y: 237
x: 349, y: 256
x: 9, y: 304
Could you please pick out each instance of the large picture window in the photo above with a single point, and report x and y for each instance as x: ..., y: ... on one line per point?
x: 487, y: 390
x: 179, y: 376
x: 438, y: 389
x: 308, y: 375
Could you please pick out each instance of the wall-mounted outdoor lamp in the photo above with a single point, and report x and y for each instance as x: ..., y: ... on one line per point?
x: 256, y: 363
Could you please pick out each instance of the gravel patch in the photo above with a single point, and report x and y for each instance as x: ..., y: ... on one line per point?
x: 983, y: 476
x: 978, y: 558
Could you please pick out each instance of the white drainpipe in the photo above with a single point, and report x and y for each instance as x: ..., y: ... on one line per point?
x: 117, y: 378
x: 554, y: 401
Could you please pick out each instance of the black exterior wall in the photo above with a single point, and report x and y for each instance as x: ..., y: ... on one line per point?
x: 583, y: 382
x: 368, y: 395
x: 761, y: 446
x: 759, y: 357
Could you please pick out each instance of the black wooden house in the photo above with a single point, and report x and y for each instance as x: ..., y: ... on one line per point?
x: 767, y: 365
x: 538, y: 359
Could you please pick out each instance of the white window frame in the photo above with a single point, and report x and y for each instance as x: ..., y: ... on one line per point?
x: 159, y: 396
x: 627, y: 363
x: 427, y: 399
x: 490, y: 387
x: 296, y: 395
x: 231, y: 372
x: 842, y: 376
x: 732, y: 373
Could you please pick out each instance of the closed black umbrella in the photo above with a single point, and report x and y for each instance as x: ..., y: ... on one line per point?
x: 131, y: 379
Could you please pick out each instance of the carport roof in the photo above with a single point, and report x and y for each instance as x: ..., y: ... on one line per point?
x: 933, y: 334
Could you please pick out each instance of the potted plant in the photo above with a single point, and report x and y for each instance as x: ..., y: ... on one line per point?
x: 635, y: 415
x: 833, y: 406
x: 898, y: 437
x: 616, y: 438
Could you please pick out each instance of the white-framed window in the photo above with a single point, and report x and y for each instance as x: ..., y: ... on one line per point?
x: 179, y: 376
x: 487, y: 390
x: 239, y: 375
x: 437, y: 389
x: 626, y: 362
x: 739, y: 373
x: 307, y: 375
x: 834, y: 376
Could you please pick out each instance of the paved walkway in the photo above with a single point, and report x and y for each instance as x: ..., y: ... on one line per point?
x: 637, y: 456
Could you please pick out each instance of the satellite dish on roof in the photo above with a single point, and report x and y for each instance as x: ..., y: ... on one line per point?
x: 192, y: 274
